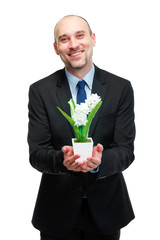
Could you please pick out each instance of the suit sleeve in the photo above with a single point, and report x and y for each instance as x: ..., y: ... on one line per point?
x: 42, y: 155
x: 120, y: 154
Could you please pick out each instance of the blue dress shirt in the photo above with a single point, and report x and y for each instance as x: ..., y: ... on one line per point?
x: 72, y: 80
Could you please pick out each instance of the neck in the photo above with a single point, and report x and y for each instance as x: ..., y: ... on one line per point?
x: 80, y: 73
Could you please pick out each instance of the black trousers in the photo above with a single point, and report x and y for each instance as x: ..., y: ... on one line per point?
x: 85, y: 228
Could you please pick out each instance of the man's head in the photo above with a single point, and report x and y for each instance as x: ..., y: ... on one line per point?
x: 74, y: 42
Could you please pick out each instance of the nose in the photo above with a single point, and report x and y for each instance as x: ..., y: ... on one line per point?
x: 73, y: 44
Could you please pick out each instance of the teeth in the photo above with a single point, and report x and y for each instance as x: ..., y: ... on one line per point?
x: 75, y: 54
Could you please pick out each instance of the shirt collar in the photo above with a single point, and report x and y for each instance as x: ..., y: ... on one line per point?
x: 72, y: 80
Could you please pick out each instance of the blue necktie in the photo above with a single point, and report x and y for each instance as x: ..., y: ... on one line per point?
x: 81, y: 95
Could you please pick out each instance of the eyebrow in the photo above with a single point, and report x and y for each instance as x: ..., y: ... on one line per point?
x: 65, y: 35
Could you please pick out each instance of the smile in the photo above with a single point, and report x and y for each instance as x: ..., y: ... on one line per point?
x: 75, y: 54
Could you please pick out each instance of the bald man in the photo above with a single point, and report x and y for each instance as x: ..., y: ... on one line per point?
x: 90, y: 200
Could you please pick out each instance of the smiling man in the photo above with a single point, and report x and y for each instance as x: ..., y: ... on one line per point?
x: 74, y: 42
x: 77, y: 201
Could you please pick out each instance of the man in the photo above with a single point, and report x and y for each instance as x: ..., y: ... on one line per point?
x: 80, y: 201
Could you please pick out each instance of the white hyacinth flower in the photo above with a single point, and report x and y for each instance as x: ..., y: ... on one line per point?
x: 79, y: 119
x: 80, y: 114
x: 82, y: 108
x: 92, y: 101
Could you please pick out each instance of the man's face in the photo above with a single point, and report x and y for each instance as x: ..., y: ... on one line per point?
x: 74, y: 43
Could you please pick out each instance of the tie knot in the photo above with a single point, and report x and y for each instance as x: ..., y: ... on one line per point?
x: 81, y: 84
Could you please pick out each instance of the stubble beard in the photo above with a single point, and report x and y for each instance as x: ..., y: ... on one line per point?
x: 77, y: 66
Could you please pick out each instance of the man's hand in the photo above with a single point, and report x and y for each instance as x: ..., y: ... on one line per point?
x: 69, y: 159
x: 94, y: 161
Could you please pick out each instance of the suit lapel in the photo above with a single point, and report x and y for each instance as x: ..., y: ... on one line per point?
x: 64, y: 94
x: 100, y: 84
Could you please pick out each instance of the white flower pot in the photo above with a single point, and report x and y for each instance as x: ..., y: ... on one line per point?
x: 84, y: 149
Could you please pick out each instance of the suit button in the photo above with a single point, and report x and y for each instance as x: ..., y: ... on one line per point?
x: 81, y: 189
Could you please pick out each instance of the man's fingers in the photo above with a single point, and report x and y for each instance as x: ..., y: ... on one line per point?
x: 71, y: 159
x: 70, y: 163
x: 91, y: 161
x: 66, y: 149
x: 76, y: 165
x: 99, y: 147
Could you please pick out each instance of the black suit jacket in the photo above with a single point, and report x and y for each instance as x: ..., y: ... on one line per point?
x: 61, y: 191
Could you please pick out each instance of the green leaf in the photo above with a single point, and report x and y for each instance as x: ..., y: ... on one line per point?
x: 78, y: 134
x: 72, y: 106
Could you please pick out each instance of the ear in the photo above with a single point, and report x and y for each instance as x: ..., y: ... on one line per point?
x: 93, y: 39
x: 55, y: 48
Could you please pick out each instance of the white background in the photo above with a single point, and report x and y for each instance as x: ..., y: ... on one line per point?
x: 128, y: 44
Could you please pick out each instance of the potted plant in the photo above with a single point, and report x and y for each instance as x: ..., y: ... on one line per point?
x: 81, y: 119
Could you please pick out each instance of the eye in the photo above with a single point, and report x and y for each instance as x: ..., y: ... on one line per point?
x: 81, y: 35
x: 63, y: 40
